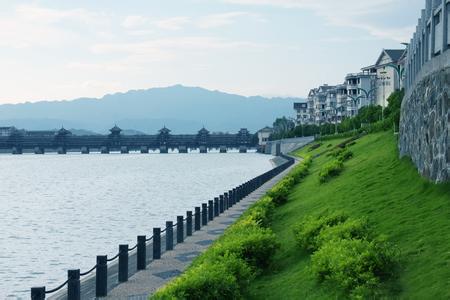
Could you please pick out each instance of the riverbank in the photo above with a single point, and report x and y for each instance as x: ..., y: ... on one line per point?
x: 375, y: 184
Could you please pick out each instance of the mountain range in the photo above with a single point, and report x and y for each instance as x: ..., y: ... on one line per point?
x: 181, y: 109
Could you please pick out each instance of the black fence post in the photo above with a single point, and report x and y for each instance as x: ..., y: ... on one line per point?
x: 216, y: 207
x: 73, y: 285
x: 156, y: 243
x: 38, y: 293
x: 204, y: 214
x: 180, y: 229
x: 226, y: 202
x: 210, y: 210
x: 101, y: 276
x: 221, y: 204
x: 189, y: 223
x: 141, y: 252
x: 123, y: 263
x: 197, y: 218
x: 230, y: 195
x: 169, y: 235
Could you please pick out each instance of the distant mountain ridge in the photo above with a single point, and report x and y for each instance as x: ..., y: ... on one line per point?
x: 182, y: 109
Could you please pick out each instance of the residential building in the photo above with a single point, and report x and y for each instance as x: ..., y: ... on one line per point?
x: 320, y: 103
x: 330, y: 107
x: 263, y: 137
x: 341, y: 102
x: 303, y: 116
x: 388, y: 69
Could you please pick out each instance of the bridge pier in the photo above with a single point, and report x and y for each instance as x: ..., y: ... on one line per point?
x: 163, y: 150
x: 16, y: 150
x: 84, y: 150
x: 39, y: 150
x: 144, y: 149
x: 182, y: 149
x: 243, y: 149
x: 223, y: 149
x: 104, y: 150
x: 124, y: 150
x: 61, y: 150
x: 203, y: 149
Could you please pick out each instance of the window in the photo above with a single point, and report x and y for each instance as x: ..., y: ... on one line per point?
x: 448, y: 24
x: 438, y: 33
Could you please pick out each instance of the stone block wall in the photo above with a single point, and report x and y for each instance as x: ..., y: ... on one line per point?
x: 425, y: 122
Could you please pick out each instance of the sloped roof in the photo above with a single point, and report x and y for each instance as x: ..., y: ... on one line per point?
x: 164, y: 130
x: 394, y: 54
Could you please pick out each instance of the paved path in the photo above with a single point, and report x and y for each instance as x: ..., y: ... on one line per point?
x: 173, y: 263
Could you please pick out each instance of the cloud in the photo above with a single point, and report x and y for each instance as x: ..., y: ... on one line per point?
x: 158, y: 46
x: 223, y: 19
x: 131, y: 22
x: 31, y: 25
x: 175, y: 23
x: 347, y: 13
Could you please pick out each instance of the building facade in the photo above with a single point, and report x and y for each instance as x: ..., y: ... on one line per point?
x: 302, y: 113
x: 388, y: 69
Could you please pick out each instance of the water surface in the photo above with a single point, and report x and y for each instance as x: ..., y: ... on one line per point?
x: 60, y: 211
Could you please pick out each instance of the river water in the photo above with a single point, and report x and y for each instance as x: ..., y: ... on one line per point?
x: 59, y: 212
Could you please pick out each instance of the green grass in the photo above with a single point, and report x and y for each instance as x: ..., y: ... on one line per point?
x: 413, y: 213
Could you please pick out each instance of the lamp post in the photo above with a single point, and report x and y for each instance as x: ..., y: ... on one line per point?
x: 367, y: 93
x: 355, y: 100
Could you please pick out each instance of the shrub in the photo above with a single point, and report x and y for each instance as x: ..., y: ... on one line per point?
x: 314, y: 147
x: 330, y: 170
x: 280, y: 192
x: 336, y: 152
x: 355, y: 265
x: 262, y: 211
x: 308, y: 230
x: 208, y: 281
x: 299, y: 172
x: 248, y: 241
x: 349, y: 229
x: 345, y: 155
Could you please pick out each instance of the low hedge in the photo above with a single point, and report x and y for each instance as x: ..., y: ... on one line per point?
x: 330, y: 170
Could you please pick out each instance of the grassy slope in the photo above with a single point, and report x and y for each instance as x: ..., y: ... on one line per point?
x: 413, y: 213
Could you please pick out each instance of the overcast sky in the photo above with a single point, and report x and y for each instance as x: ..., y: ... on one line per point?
x: 64, y: 49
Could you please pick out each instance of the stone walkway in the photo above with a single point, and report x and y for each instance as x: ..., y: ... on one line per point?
x: 173, y: 263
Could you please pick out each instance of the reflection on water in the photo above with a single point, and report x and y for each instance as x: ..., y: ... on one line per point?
x: 59, y: 212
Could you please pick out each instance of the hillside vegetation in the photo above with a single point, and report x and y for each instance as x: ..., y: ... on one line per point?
x: 381, y: 194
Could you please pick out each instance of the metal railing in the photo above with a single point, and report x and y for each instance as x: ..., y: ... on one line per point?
x: 173, y: 234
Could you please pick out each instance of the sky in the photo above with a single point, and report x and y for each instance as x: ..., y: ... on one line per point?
x: 60, y: 49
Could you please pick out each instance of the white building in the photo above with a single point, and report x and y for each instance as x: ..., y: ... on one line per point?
x: 264, y: 135
x: 388, y: 70
x: 303, y: 116
x: 361, y: 91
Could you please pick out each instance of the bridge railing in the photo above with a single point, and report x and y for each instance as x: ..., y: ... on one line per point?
x: 109, y: 272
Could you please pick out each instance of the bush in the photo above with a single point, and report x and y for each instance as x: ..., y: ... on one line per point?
x: 349, y: 229
x: 330, y: 170
x: 345, y: 155
x: 355, y: 265
x: 262, y: 211
x: 314, y: 147
x: 248, y: 241
x: 308, y: 230
x: 280, y: 192
x: 216, y: 280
